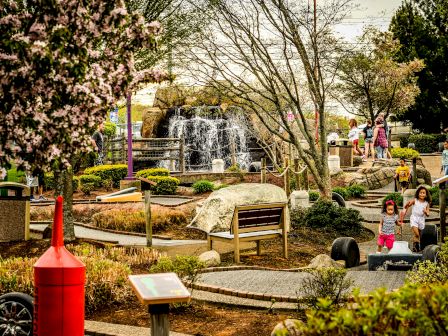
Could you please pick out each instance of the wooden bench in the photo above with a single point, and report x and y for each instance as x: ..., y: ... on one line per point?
x: 254, y: 223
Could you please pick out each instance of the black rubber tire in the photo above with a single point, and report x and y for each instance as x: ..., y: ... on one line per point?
x: 429, y: 236
x: 345, y: 248
x: 255, y: 167
x: 430, y: 253
x: 19, y: 308
x: 338, y: 199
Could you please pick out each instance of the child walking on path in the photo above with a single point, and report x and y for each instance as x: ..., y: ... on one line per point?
x: 420, y: 210
x: 386, y: 228
x: 403, y: 173
x: 353, y: 136
x: 444, y: 168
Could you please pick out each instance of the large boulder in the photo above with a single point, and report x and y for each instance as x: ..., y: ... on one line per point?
x: 151, y: 119
x: 210, y: 258
x: 215, y: 215
x: 322, y: 261
x: 289, y: 327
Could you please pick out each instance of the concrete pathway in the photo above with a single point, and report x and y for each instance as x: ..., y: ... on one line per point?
x: 94, y: 328
x: 121, y: 239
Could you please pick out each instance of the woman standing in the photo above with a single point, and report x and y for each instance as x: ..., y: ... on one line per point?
x: 368, y: 140
x: 380, y: 139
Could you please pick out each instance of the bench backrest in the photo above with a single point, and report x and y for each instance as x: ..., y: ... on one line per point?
x: 258, y: 217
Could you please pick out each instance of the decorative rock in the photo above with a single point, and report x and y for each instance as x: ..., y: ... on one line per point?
x: 151, y: 119
x: 217, y: 212
x: 218, y: 166
x: 289, y: 327
x: 334, y: 164
x: 323, y: 260
x: 300, y: 198
x: 210, y: 258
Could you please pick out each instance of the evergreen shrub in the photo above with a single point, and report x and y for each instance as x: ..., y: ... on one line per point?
x: 313, y: 195
x: 166, y: 185
x: 407, y: 153
x: 356, y: 191
x: 424, y: 143
x: 113, y: 172
x: 153, y: 172
x: 203, y: 186
x: 396, y: 197
x: 341, y: 191
x: 96, y: 180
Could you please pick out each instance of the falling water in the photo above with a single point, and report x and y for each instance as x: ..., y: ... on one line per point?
x: 209, y: 137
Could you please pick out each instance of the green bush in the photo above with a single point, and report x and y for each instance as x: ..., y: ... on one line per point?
x: 75, y: 183
x: 87, y: 188
x: 186, y: 267
x: 356, y: 191
x: 14, y: 175
x: 297, y: 217
x: 424, y: 143
x: 411, y: 310
x: 341, y: 191
x: 396, y: 197
x: 435, y: 191
x: 324, y: 214
x: 153, y: 172
x: 203, y: 186
x: 166, y: 185
x: 112, y: 172
x: 234, y: 169
x: 313, y: 195
x: 220, y: 186
x: 327, y: 282
x: 110, y: 129
x: 95, y: 180
x: 407, y: 153
x: 50, y: 183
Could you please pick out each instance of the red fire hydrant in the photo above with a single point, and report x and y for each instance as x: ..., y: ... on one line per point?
x: 59, y: 279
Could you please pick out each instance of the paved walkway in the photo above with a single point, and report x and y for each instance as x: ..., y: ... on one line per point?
x: 93, y: 328
x: 128, y: 240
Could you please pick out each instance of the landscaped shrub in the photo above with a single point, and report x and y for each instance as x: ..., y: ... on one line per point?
x: 95, y: 180
x: 424, y: 143
x: 113, y: 172
x: 166, y: 185
x: 220, y: 186
x: 234, y: 169
x: 50, y: 183
x: 125, y: 220
x: 327, y: 282
x: 87, y: 188
x: 313, y: 195
x: 297, y: 217
x: 153, y: 172
x: 435, y: 191
x: 341, y: 191
x: 110, y: 129
x: 75, y: 183
x: 203, y: 186
x: 108, y: 184
x: 324, y: 214
x: 412, y: 310
x: 396, y: 197
x: 356, y: 191
x: 186, y: 267
x: 407, y: 153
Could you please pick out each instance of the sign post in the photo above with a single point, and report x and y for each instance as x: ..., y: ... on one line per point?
x: 158, y: 291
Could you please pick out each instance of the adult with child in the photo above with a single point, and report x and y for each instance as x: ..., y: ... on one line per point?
x: 353, y: 136
x: 420, y: 210
x: 402, y: 175
x: 386, y: 228
x: 368, y: 140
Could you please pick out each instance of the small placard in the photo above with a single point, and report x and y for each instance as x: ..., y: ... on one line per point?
x: 159, y: 288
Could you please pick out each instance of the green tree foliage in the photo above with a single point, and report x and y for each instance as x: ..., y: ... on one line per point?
x: 371, y: 81
x: 421, y: 26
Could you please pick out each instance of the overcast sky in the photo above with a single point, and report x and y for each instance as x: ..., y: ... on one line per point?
x: 375, y: 12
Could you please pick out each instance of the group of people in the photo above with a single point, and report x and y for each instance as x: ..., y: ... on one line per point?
x: 375, y: 138
x: 391, y: 217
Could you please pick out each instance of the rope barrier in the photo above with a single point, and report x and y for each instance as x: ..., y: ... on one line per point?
x: 284, y: 172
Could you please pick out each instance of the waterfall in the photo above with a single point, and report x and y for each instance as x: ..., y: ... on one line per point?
x: 208, y: 137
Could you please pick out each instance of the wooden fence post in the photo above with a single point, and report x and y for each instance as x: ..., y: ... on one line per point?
x: 263, y: 170
x: 286, y: 177
x: 297, y: 177
x: 148, y: 218
x: 305, y: 180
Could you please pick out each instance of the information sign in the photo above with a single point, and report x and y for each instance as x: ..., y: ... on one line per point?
x: 159, y: 288
x: 114, y: 116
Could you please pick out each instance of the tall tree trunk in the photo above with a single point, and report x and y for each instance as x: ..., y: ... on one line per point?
x: 64, y: 187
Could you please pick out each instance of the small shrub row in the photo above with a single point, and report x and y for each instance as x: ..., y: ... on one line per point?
x: 93, y: 179
x: 166, y: 185
x: 353, y: 191
x: 406, y: 153
x: 325, y: 215
x: 153, y: 172
x: 203, y: 186
x: 424, y: 143
x: 50, y: 182
x: 186, y: 267
x: 109, y: 172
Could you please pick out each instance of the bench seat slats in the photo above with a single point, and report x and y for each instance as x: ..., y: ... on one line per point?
x: 228, y: 235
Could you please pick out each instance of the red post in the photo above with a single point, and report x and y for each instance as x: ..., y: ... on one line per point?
x: 59, y: 279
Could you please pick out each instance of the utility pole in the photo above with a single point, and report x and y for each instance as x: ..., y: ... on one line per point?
x: 316, y: 74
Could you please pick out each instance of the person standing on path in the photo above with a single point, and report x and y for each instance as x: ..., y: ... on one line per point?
x: 353, y: 136
x: 403, y: 173
x: 380, y: 139
x: 98, y: 144
x: 368, y: 140
x: 444, y: 168
x: 420, y: 210
x: 386, y: 228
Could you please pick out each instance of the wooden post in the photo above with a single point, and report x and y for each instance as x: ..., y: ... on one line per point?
x: 286, y: 177
x: 305, y: 180
x: 182, y: 155
x: 148, y: 218
x: 232, y: 149
x: 160, y: 325
x: 414, y: 173
x: 297, y: 177
x: 124, y: 154
x: 263, y: 170
x: 442, y: 208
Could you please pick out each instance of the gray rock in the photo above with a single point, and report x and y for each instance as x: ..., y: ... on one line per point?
x: 210, y: 258
x: 289, y: 327
x: 323, y: 260
x: 217, y: 211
